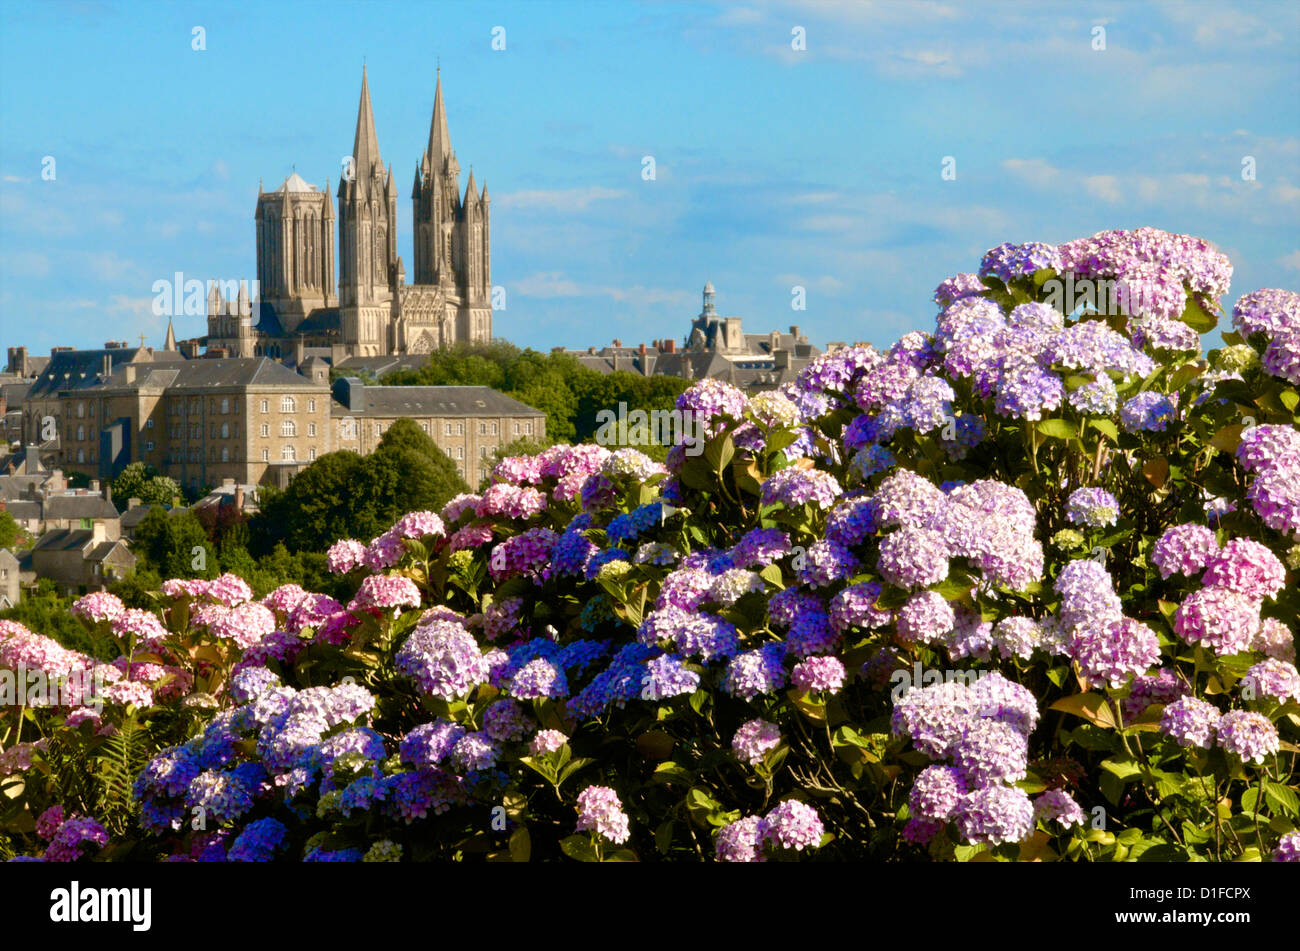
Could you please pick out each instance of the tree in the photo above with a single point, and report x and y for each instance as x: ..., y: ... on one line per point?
x: 10, y: 530
x: 170, y: 543
x: 141, y: 481
x: 344, y: 495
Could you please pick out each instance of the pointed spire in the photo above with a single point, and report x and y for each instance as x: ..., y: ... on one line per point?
x: 484, y: 197
x: 365, y: 146
x: 329, y: 203
x: 170, y: 343
x: 470, y: 194
x: 439, y: 140
x: 390, y: 189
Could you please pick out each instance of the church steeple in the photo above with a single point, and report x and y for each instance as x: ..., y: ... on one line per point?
x: 365, y: 144
x: 170, y: 343
x: 439, y: 149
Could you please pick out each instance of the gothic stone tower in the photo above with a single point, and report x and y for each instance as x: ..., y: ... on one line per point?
x: 451, y: 237
x: 367, y: 240
x: 295, y: 250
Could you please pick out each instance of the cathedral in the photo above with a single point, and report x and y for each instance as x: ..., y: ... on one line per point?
x: 374, y: 312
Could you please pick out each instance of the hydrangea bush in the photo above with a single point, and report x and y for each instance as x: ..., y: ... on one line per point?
x: 1018, y: 588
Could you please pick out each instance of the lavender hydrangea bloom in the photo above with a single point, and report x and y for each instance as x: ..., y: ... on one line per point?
x: 1147, y: 412
x: 741, y: 841
x: 937, y: 794
x: 754, y: 740
x: 666, y: 676
x: 1190, y: 722
x: 793, y: 825
x: 1219, y: 619
x: 1092, y: 507
x: 1059, y: 805
x: 756, y: 671
x: 996, y: 814
x: 600, y: 811
x: 913, y: 558
x: 1184, y: 549
x: 1249, y: 735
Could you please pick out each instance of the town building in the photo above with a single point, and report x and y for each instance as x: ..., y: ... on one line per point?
x: 468, y: 423
x: 715, y: 346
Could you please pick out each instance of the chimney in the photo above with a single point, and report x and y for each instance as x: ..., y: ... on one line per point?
x: 794, y: 332
x: 108, y: 366
x: 239, y: 498
x: 298, y: 347
x: 108, y: 492
x: 227, y: 483
x: 132, y: 373
x: 780, y: 359
x: 670, y: 346
x: 94, y: 487
x: 98, y: 532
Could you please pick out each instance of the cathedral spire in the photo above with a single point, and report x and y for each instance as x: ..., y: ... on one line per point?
x: 439, y: 139
x: 170, y: 343
x: 365, y: 146
x: 471, y: 195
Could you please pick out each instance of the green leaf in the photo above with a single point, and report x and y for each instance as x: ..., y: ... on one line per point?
x: 664, y: 837
x: 1196, y: 317
x: 579, y: 847
x: 545, y: 769
x: 1290, y: 399
x: 1111, y: 787
x: 572, y: 768
x: 1058, y: 428
x: 1106, y: 426
x: 622, y: 855
x: 521, y: 844
x: 1090, y: 706
x: 1282, y: 798
x: 1122, y: 769
x: 671, y: 772
x: 719, y: 452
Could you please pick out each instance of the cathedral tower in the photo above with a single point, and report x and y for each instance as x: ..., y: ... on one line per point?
x: 367, y: 238
x: 295, y: 250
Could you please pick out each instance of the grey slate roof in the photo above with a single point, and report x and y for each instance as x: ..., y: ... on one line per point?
x: 427, y: 401
x: 207, y: 373
x: 76, y: 369
x: 133, y: 517
x: 78, y: 506
x: 23, y: 510
x: 381, y: 365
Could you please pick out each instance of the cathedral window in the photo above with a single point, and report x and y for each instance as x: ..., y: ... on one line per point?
x: 81, y: 455
x: 81, y: 410
x: 81, y: 433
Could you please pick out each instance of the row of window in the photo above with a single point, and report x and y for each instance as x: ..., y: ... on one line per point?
x: 458, y: 429
x: 287, y: 454
x: 288, y: 404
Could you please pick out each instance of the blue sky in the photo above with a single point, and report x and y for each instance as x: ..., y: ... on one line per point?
x: 775, y: 167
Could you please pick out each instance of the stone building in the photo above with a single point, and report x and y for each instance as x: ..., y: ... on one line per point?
x: 468, y: 423
x: 81, y: 560
x: 375, y: 311
x: 717, y: 347
x: 197, y: 421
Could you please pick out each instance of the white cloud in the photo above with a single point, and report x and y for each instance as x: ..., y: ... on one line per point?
x: 1104, y: 187
x: 1290, y: 261
x: 26, y: 264
x: 1038, y: 172
x: 559, y: 200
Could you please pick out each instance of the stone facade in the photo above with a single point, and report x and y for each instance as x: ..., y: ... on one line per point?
x: 375, y: 312
x: 468, y: 423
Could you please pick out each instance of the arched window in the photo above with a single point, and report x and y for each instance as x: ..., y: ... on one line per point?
x: 225, y: 454
x: 287, y: 405
x: 265, y: 406
x: 288, y: 428
x: 286, y: 454
x: 81, y: 433
x: 225, y: 430
x: 225, y: 404
x: 266, y: 430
